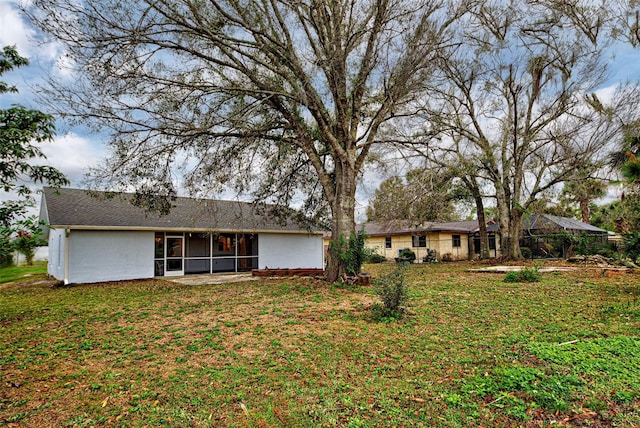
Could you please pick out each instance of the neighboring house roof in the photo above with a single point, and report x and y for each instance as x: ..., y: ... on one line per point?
x: 402, y: 227
x: 552, y: 222
x: 531, y: 222
x: 82, y: 209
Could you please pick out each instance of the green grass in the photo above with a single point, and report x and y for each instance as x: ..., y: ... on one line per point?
x: 471, y: 350
x: 23, y: 272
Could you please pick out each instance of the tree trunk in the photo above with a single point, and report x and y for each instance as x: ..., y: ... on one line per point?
x: 343, y: 221
x: 513, y: 235
x: 482, y: 224
x: 584, y: 210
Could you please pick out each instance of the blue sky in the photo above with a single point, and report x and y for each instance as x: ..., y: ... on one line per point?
x: 73, y: 149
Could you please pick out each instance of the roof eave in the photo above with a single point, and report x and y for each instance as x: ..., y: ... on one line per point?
x: 182, y: 229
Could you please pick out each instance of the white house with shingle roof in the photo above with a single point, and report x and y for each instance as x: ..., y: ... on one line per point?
x: 98, y: 236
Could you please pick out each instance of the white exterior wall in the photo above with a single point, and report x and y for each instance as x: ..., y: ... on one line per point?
x: 57, y: 251
x: 96, y: 256
x: 290, y: 251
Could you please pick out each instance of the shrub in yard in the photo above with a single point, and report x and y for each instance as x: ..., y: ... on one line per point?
x: 525, y: 275
x: 377, y: 258
x: 406, y: 255
x: 393, y: 294
x: 447, y: 257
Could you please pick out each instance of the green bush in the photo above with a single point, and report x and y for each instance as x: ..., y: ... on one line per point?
x: 525, y: 275
x: 407, y: 255
x: 393, y: 294
x: 377, y: 258
x: 512, y: 277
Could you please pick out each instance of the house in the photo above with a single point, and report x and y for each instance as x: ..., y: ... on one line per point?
x: 99, y: 236
x: 547, y: 235
x: 456, y: 240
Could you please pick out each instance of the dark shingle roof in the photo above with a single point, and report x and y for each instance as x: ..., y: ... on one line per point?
x: 81, y: 208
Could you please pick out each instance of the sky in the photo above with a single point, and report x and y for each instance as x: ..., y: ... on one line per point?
x: 73, y: 150
x: 70, y: 151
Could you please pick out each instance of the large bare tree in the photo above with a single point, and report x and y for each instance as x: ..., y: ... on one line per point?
x: 515, y: 108
x: 282, y: 98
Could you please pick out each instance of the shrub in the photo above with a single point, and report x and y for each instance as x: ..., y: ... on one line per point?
x: 407, y: 255
x: 393, y: 294
x: 530, y: 274
x: 525, y: 275
x: 512, y: 277
x: 447, y: 257
x: 377, y: 258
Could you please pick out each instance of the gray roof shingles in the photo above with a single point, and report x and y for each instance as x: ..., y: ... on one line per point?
x: 82, y: 208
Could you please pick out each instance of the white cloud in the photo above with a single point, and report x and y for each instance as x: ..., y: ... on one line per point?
x: 73, y: 154
x: 14, y: 30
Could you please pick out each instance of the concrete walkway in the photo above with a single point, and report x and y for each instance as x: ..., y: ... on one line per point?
x: 215, y: 278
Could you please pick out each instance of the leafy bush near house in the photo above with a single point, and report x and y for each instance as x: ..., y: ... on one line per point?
x: 407, y: 255
x: 393, y: 293
x: 377, y: 258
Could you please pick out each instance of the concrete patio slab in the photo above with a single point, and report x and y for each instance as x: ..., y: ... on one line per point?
x: 215, y: 278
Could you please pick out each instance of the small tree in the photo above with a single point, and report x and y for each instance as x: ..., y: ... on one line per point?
x: 393, y: 294
x: 28, y: 238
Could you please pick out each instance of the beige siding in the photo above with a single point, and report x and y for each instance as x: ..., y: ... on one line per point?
x: 442, y: 242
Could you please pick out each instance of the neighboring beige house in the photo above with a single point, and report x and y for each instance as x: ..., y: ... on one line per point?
x: 456, y: 240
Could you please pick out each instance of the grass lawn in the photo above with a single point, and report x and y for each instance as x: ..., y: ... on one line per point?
x: 472, y: 351
x: 23, y: 272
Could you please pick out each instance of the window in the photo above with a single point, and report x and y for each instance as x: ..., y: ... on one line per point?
x: 456, y: 241
x: 492, y: 242
x: 387, y: 242
x: 419, y: 241
x: 224, y: 245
